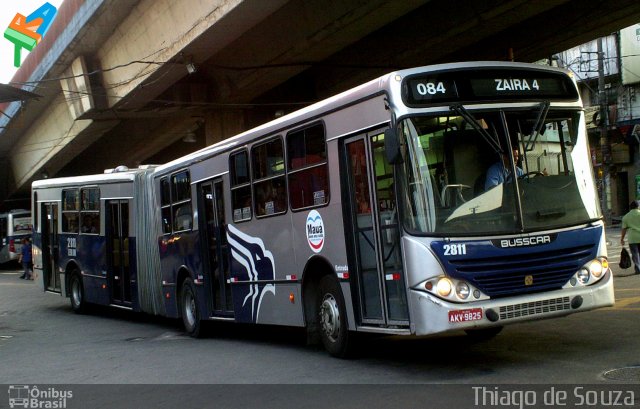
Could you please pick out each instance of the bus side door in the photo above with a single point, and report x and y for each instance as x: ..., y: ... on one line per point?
x: 118, y: 245
x: 215, y: 249
x: 374, y: 240
x: 50, y: 246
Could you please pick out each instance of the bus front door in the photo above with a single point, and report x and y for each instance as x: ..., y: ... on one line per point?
x: 50, y: 246
x: 375, y: 244
x: 215, y: 249
x: 117, y: 236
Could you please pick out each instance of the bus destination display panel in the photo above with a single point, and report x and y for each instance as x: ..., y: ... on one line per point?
x: 487, y: 85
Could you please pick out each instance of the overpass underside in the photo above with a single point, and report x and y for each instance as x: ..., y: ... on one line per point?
x: 129, y: 82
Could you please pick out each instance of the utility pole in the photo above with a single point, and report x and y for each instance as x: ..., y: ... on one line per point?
x: 605, y: 146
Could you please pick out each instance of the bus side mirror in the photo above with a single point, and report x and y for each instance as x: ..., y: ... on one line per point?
x: 392, y: 146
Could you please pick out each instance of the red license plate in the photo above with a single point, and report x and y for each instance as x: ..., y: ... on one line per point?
x: 472, y: 314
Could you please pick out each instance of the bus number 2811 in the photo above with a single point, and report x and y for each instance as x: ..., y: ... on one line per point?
x: 455, y: 249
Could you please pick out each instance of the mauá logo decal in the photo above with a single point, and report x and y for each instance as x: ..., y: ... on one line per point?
x: 315, y: 231
x: 27, y: 32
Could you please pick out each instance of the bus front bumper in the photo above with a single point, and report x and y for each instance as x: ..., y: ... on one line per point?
x: 432, y: 315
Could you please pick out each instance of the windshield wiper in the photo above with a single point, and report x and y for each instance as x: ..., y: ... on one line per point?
x: 537, y: 128
x: 492, y: 141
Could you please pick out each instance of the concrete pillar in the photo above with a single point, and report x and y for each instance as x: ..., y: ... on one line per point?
x: 222, y: 124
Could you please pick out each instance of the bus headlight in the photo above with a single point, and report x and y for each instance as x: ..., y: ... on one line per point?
x: 451, y: 289
x: 596, y: 268
x: 444, y: 287
x: 583, y: 275
x: 462, y: 290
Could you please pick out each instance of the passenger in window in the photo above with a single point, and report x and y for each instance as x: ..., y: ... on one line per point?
x: 86, y: 225
x: 362, y: 199
x: 261, y: 200
x: 72, y: 225
x: 280, y: 197
x: 95, y: 225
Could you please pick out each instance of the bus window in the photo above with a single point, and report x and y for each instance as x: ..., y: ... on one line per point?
x: 307, y: 163
x: 90, y: 211
x: 181, y: 201
x: 268, y: 174
x: 182, y: 219
x: 240, y: 186
x: 21, y: 224
x: 181, y: 188
x: 70, y: 208
x: 165, y: 204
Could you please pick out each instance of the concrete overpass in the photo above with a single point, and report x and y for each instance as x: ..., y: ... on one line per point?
x: 144, y: 81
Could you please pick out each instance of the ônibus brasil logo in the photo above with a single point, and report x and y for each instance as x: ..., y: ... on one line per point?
x: 27, y: 32
x: 25, y: 396
x: 315, y: 231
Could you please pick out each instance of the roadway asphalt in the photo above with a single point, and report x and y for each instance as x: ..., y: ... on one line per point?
x: 115, y: 359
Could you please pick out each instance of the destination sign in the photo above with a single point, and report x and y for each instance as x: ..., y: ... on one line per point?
x: 513, y: 86
x: 487, y: 85
x: 433, y: 89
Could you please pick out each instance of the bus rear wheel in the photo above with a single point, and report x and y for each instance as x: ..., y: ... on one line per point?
x: 334, y: 330
x: 78, y: 304
x: 189, y: 308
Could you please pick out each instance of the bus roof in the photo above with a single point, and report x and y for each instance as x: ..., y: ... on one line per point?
x: 115, y: 177
x: 364, y: 91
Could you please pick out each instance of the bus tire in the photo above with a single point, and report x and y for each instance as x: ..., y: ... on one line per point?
x: 483, y: 334
x: 189, y: 309
x: 334, y: 330
x: 76, y: 293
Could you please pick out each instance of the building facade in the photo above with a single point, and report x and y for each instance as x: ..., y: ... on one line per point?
x: 609, y: 81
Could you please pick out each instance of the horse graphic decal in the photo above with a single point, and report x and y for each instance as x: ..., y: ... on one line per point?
x: 251, y: 262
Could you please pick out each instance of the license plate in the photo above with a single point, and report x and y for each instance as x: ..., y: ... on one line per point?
x: 472, y: 314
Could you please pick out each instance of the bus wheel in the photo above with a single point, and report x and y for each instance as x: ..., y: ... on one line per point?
x: 78, y: 304
x: 189, y: 307
x: 483, y: 334
x: 334, y: 331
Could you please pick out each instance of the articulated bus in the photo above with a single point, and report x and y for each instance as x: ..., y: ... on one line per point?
x: 14, y: 227
x: 389, y: 209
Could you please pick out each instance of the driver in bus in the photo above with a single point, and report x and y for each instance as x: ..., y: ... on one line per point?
x: 500, y: 172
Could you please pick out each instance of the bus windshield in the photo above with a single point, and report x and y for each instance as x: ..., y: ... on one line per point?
x: 458, y: 172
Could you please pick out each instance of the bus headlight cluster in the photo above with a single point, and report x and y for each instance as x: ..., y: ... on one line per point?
x: 452, y: 289
x: 591, y: 272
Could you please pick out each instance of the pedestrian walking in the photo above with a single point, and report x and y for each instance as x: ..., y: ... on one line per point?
x: 25, y: 259
x: 631, y: 224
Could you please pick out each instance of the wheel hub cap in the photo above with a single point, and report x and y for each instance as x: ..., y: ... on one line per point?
x: 330, y: 317
x: 190, y: 308
x: 75, y: 291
